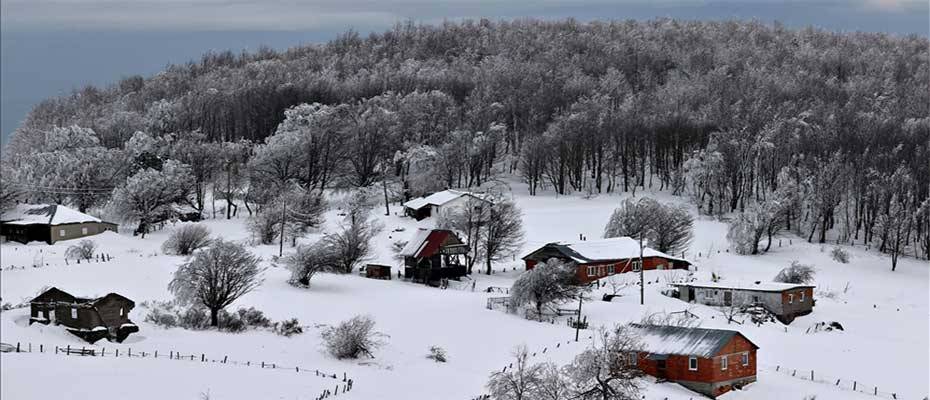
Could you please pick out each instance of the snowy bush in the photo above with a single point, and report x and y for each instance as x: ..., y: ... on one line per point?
x: 437, y: 354
x: 186, y: 239
x: 288, y: 328
x: 253, y: 317
x: 548, y: 282
x: 839, y: 255
x: 84, y: 250
x: 170, y: 314
x: 307, y: 260
x: 353, y: 338
x: 162, y: 316
x: 193, y: 318
x: 797, y: 273
x: 352, y: 244
x: 231, y: 322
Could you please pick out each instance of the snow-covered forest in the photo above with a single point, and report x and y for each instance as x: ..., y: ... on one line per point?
x: 821, y: 133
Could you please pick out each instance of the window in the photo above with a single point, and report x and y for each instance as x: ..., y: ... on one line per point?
x: 74, y: 312
x: 692, y: 363
x: 61, y: 232
x: 591, y: 271
x: 745, y: 359
x: 801, y: 298
x: 120, y: 312
x: 723, y: 363
x: 632, y: 359
x: 83, y: 231
x: 790, y: 298
x: 637, y: 265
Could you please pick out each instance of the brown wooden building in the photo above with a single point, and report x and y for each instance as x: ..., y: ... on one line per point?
x: 89, y: 319
x: 708, y: 361
x: 786, y: 300
x: 596, y: 259
x: 432, y: 255
x: 49, y: 223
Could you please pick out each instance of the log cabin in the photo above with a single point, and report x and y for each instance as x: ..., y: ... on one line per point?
x: 786, y: 301
x: 708, y: 361
x: 90, y: 319
x: 596, y: 259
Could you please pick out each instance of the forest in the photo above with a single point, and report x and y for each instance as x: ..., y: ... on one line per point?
x: 820, y: 133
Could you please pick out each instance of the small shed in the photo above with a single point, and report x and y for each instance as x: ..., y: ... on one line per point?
x: 708, y: 361
x: 440, y: 203
x: 596, y: 259
x: 377, y: 271
x: 49, y: 223
x: 786, y: 300
x: 90, y: 319
x: 432, y: 255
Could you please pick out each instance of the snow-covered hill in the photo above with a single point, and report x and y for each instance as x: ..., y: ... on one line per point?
x: 885, y: 316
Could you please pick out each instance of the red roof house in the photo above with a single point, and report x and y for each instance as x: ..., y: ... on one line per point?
x: 596, y: 259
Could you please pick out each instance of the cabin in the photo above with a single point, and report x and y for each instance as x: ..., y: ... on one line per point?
x: 786, y: 301
x: 49, y: 223
x: 596, y: 259
x: 440, y: 203
x: 708, y: 361
x: 432, y: 255
x: 89, y: 319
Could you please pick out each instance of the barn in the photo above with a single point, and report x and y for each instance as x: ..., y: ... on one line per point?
x: 786, y: 300
x: 89, y: 319
x: 432, y: 255
x: 596, y: 259
x: 440, y: 203
x: 708, y: 361
x: 49, y: 223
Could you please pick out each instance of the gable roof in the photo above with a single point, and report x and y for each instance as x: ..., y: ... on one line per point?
x: 57, y: 295
x: 619, y: 248
x: 699, y: 342
x: 441, y: 198
x: 427, y: 242
x: 756, y: 286
x: 45, y: 214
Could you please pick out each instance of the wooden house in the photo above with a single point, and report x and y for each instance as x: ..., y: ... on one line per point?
x: 596, y: 259
x: 432, y: 255
x: 708, y: 361
x: 49, y: 223
x: 377, y: 271
x: 89, y: 319
x: 786, y: 300
x: 440, y: 203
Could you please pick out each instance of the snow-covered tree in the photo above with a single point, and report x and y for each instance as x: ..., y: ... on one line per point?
x: 351, y: 245
x: 668, y: 228
x: 216, y: 277
x: 607, y: 370
x: 307, y: 261
x: 503, y: 232
x: 146, y: 196
x: 520, y: 382
x: 550, y: 281
x: 84, y: 250
x: 468, y: 222
x: 186, y: 239
x: 796, y: 273
x: 353, y: 338
x: 894, y: 227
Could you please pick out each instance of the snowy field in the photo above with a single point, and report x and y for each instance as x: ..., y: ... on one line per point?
x: 885, y: 315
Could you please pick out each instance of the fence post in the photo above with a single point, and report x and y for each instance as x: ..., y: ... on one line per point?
x: 103, y: 352
x: 17, y: 347
x: 30, y: 347
x: 224, y: 359
x: 130, y: 352
x: 40, y: 348
x: 67, y: 352
x: 854, y: 385
x: 837, y: 382
x: 203, y: 357
x: 263, y: 364
x: 876, y: 390
x: 812, y: 375
x: 117, y: 351
x: 156, y: 353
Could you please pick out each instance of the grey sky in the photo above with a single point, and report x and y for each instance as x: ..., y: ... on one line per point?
x: 50, y: 47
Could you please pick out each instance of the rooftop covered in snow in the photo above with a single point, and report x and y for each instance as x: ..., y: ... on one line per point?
x: 45, y: 214
x: 757, y: 286
x: 619, y: 248
x: 441, y: 198
x: 699, y: 342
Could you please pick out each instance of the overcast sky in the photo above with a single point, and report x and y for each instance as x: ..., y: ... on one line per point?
x: 50, y: 47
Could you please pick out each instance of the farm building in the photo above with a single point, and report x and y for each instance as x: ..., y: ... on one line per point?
x: 432, y: 255
x: 89, y: 319
x: 440, y: 203
x: 600, y: 258
x: 49, y: 223
x: 786, y: 300
x: 708, y: 361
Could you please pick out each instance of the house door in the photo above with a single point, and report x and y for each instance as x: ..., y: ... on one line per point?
x: 51, y: 315
x: 691, y: 297
x: 660, y: 369
x: 728, y: 298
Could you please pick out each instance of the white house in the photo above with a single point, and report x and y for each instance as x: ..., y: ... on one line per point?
x: 441, y: 203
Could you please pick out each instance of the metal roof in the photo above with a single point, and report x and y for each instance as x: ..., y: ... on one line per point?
x: 618, y: 248
x: 756, y: 286
x: 699, y: 342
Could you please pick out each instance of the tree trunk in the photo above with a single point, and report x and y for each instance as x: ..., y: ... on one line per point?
x: 214, y: 317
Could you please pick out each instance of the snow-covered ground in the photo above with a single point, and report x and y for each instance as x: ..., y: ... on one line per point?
x: 885, y: 315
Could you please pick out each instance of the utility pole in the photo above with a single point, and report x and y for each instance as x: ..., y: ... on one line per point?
x: 578, y: 319
x: 642, y: 283
x: 283, y: 222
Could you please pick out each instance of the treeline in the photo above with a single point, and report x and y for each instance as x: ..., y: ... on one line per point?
x: 736, y: 115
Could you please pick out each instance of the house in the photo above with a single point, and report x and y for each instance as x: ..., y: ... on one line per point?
x: 708, y: 361
x: 432, y: 255
x: 440, y: 203
x: 596, y: 259
x: 49, y: 223
x: 89, y: 319
x: 786, y: 300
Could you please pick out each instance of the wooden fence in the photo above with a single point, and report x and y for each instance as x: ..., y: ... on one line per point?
x: 839, y: 382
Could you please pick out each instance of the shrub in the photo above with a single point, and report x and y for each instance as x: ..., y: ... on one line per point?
x: 84, y: 250
x: 839, y: 255
x: 353, y: 338
x: 162, y: 317
x: 169, y: 315
x: 231, y: 322
x: 194, y: 318
x: 307, y: 260
x: 437, y: 354
x: 288, y: 328
x: 254, y: 317
x: 796, y: 273
x: 187, y: 239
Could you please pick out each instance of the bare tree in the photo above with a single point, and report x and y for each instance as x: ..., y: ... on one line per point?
x: 668, y: 228
x: 607, y: 370
x: 84, y: 250
x: 468, y: 221
x: 216, y: 277
x: 797, y: 273
x: 503, y: 232
x: 352, y: 244
x: 635, y: 219
x: 308, y: 260
x: 519, y: 382
x: 186, y: 239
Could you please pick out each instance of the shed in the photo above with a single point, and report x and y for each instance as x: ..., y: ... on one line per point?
x: 432, y: 255
x: 49, y: 223
x: 90, y: 319
x: 377, y: 271
x: 596, y: 259
x: 707, y: 361
x: 441, y: 203
x: 786, y: 300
